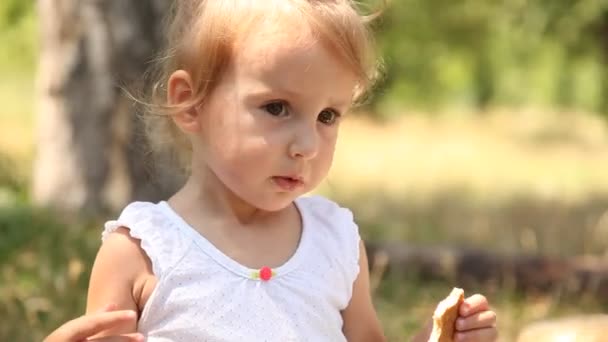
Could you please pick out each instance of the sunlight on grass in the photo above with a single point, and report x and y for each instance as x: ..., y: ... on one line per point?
x: 548, y: 155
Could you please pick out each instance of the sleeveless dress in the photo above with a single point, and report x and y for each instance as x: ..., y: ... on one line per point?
x: 203, y: 295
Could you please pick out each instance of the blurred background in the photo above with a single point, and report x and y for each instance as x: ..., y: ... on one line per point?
x: 481, y: 161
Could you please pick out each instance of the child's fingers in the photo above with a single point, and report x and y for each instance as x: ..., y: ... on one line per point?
x: 122, y: 338
x: 478, y: 335
x: 474, y: 304
x: 484, y: 319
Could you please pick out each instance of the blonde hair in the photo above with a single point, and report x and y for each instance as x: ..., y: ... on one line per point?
x: 202, y: 39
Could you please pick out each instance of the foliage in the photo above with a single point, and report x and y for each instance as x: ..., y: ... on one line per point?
x: 479, y: 53
x: 17, y: 36
x: 13, y: 11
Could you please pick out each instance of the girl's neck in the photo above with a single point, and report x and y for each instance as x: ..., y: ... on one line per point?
x: 204, y: 192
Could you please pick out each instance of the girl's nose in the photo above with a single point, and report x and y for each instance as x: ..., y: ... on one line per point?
x: 305, y: 144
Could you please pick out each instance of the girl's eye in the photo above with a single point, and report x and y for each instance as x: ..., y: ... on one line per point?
x: 276, y: 108
x: 328, y: 117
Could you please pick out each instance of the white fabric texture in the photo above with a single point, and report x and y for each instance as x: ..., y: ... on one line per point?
x: 203, y: 295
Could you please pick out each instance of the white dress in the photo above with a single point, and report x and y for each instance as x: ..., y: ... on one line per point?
x: 203, y: 295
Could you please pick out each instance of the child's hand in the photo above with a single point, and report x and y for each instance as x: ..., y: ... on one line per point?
x: 476, y: 322
x: 84, y: 327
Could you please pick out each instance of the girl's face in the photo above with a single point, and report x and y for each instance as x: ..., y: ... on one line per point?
x: 268, y: 131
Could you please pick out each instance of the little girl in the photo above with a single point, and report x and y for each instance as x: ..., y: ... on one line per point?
x: 252, y: 95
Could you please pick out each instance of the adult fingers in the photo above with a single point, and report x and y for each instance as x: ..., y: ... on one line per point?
x: 89, y: 325
x: 122, y: 338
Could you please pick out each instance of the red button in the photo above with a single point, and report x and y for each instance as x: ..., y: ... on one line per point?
x: 265, y: 273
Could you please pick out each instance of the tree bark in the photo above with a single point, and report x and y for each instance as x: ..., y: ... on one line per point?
x: 89, y: 139
x: 470, y: 267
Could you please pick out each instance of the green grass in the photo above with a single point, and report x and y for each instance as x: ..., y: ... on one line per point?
x: 493, y: 157
x: 43, y: 271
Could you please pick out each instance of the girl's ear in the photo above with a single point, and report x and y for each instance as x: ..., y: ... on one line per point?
x: 180, y: 93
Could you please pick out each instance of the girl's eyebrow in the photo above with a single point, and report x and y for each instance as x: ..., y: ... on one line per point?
x: 279, y: 92
x: 270, y: 93
x: 269, y: 89
x: 264, y: 87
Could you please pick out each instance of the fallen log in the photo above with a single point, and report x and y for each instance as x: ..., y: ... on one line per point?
x: 475, y: 267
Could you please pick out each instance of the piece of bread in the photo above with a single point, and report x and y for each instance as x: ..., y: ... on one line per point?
x: 445, y: 316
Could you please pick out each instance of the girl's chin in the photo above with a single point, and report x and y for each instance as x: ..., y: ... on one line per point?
x: 277, y: 203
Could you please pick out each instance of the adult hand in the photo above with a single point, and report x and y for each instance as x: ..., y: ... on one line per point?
x: 84, y: 327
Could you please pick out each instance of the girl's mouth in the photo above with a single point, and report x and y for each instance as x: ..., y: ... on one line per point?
x: 287, y: 183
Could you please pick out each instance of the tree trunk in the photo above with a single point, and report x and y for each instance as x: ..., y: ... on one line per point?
x: 87, y: 131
